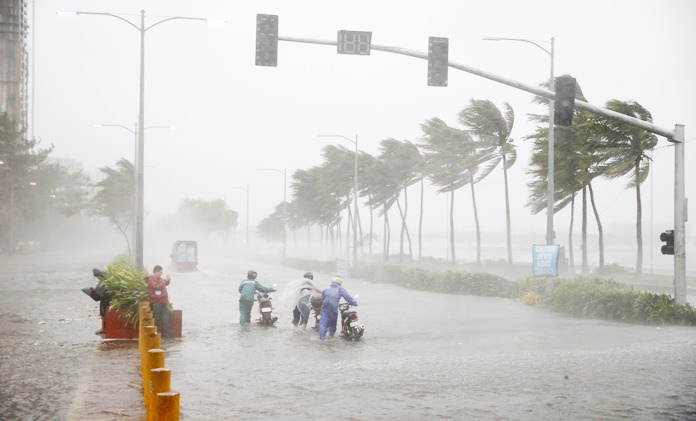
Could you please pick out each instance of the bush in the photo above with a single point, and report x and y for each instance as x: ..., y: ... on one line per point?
x: 582, y: 297
x: 127, y: 288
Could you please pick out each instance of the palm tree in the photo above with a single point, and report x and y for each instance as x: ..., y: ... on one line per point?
x: 625, y: 153
x: 115, y: 197
x: 452, y: 160
x: 576, y: 165
x: 382, y: 186
x: 404, y: 164
x: 493, y: 128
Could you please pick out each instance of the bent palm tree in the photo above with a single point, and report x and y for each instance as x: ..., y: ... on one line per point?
x: 493, y: 128
x: 624, y: 152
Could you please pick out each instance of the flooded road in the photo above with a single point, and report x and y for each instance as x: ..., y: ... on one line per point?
x: 423, y: 356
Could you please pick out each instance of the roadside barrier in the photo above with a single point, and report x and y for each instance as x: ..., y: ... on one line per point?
x: 167, y: 406
x: 161, y: 404
x: 152, y: 341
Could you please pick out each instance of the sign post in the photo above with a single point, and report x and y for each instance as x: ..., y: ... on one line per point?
x: 545, y: 259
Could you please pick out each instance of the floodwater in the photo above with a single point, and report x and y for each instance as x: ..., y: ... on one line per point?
x: 423, y: 356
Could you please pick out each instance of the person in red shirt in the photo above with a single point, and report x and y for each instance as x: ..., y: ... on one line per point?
x: 159, y: 300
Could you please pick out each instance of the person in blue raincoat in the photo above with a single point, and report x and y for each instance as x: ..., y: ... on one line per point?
x: 246, y: 298
x: 329, y: 306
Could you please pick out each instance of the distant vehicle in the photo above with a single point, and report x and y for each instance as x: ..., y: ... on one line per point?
x: 185, y: 255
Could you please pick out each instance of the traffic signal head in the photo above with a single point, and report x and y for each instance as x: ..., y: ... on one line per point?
x: 668, y: 238
x: 565, y: 100
x: 266, y: 40
x: 438, y: 61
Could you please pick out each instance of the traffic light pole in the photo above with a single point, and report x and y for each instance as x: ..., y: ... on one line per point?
x: 675, y: 136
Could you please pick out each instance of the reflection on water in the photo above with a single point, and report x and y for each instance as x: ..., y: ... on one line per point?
x: 423, y: 356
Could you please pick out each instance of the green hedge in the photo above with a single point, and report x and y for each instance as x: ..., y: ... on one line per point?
x: 582, y: 297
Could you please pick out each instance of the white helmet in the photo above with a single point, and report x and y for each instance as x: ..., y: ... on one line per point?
x: 337, y: 279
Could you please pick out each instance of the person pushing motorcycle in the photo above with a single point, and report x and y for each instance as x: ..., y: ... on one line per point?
x: 246, y: 298
x: 329, y: 306
x: 302, y: 304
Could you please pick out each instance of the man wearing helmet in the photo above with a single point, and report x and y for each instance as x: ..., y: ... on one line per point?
x: 246, y: 298
x: 300, y: 315
x: 329, y: 306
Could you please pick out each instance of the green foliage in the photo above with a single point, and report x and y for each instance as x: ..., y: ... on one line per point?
x: 582, y: 297
x: 661, y: 308
x: 127, y: 288
x: 211, y: 216
x: 115, y: 197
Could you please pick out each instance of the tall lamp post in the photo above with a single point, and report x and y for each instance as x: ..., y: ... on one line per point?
x: 550, y: 176
x: 12, y: 193
x: 285, y: 206
x: 246, y: 189
x: 135, y: 160
x: 139, y: 196
x: 355, y: 192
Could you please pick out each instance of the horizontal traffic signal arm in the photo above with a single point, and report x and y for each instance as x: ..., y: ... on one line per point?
x: 669, y: 134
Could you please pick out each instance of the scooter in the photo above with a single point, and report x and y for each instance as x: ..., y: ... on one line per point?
x: 351, y: 328
x: 315, y: 300
x: 265, y: 310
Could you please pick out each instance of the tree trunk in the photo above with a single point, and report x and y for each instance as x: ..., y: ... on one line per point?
x: 571, y: 257
x: 639, y: 226
x: 600, y: 230
x: 451, y: 217
x: 387, y: 235
x: 420, y: 222
x: 507, y: 213
x: 476, y: 220
x: 585, y: 266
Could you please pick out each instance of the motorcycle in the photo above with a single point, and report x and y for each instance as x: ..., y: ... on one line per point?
x: 265, y: 310
x: 315, y: 300
x: 351, y: 328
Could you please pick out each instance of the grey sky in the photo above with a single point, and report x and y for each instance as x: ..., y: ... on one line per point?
x: 235, y: 118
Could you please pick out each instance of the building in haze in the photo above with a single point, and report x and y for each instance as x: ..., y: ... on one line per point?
x: 14, y: 60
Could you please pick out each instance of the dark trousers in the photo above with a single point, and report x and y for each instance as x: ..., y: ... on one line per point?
x: 160, y: 311
x: 245, y: 311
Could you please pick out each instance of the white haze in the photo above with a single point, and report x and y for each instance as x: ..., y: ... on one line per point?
x: 235, y: 119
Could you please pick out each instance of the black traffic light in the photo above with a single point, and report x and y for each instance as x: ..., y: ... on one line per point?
x: 668, y: 238
x: 267, y: 40
x: 565, y: 100
x: 438, y: 61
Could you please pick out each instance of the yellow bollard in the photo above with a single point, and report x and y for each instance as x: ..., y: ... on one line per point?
x: 144, y: 313
x: 161, y: 383
x: 155, y: 359
x: 144, y: 322
x: 152, y: 341
x: 146, y: 345
x: 167, y: 406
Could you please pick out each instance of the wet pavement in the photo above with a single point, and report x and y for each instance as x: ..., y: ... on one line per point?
x: 423, y: 356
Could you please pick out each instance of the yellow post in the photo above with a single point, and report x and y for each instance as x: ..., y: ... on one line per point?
x: 167, y: 406
x: 161, y: 383
x: 145, y: 321
x: 146, y: 345
x: 152, y: 341
x: 155, y: 359
x: 144, y: 313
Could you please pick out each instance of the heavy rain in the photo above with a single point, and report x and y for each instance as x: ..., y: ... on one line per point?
x: 129, y: 127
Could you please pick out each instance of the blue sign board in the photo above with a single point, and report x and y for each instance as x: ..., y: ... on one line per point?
x: 545, y: 259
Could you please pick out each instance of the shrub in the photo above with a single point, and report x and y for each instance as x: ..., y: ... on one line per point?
x: 127, y: 288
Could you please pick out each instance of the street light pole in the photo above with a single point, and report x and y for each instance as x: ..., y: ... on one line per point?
x: 355, y: 192
x: 12, y: 190
x: 246, y: 189
x: 550, y: 187
x: 139, y: 194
